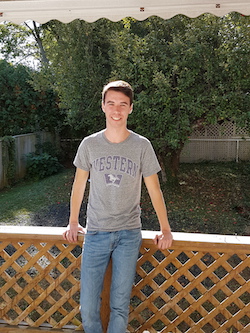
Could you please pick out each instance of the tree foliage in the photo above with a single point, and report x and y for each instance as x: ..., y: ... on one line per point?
x: 17, y: 43
x: 180, y: 69
x: 186, y: 73
x: 79, y: 67
x: 22, y: 108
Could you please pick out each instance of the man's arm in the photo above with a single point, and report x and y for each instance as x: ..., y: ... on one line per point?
x: 77, y: 194
x: 164, y: 240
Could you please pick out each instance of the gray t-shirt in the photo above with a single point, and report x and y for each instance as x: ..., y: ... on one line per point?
x: 116, y: 171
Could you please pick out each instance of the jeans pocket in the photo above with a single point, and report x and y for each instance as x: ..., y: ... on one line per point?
x: 89, y: 236
x: 91, y: 232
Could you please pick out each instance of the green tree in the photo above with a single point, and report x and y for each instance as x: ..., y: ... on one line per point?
x: 22, y: 109
x: 179, y: 69
x: 186, y: 73
x: 18, y: 43
x: 235, y: 50
x: 79, y: 67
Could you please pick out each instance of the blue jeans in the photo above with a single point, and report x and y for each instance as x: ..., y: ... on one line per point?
x: 123, y: 247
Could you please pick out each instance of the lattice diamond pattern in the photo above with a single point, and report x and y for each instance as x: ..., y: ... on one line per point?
x: 39, y: 283
x: 175, y: 290
x: 242, y: 131
x: 191, y: 292
x: 227, y: 129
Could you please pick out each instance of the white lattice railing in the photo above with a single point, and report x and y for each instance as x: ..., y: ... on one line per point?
x: 201, y: 284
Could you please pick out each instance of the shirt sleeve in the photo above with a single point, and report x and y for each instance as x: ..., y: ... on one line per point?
x: 150, y: 164
x: 81, y: 160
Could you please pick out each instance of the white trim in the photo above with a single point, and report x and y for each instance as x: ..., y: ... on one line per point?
x: 226, y: 139
x: 19, y: 11
x: 55, y: 233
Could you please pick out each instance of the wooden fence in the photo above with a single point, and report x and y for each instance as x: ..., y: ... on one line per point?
x: 201, y: 284
x: 216, y: 150
x: 24, y: 144
x: 217, y: 142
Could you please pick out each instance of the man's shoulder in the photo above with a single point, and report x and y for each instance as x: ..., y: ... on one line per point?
x: 94, y: 136
x: 139, y: 137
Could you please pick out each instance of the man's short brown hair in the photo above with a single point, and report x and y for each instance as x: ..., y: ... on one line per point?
x: 121, y: 86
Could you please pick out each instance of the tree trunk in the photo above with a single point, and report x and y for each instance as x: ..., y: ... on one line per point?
x: 170, y: 162
x: 36, y: 33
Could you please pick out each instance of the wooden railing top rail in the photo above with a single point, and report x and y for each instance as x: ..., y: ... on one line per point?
x: 228, y: 243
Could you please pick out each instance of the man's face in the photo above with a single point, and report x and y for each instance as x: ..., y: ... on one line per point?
x: 116, y: 108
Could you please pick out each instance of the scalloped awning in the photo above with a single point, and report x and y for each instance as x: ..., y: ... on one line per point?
x: 18, y: 11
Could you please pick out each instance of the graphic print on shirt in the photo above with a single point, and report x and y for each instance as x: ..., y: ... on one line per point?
x: 113, y: 179
x: 114, y: 167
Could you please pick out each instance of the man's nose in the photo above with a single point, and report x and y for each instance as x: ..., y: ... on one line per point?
x: 117, y: 109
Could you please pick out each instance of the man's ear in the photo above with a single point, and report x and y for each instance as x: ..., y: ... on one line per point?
x: 103, y: 107
x: 131, y: 109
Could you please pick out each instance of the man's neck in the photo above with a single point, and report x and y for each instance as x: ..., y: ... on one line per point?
x: 116, y: 135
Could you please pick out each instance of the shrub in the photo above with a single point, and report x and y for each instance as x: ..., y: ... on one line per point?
x: 41, y: 166
x: 47, y: 147
x: 9, y: 159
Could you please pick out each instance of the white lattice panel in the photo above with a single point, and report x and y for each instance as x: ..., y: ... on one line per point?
x: 227, y: 129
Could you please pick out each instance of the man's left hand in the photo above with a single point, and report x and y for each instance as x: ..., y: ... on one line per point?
x: 164, y: 240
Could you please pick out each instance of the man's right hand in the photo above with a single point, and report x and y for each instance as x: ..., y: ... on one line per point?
x: 70, y: 234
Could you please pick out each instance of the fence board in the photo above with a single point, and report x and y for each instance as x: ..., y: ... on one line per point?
x: 24, y: 144
x: 217, y: 142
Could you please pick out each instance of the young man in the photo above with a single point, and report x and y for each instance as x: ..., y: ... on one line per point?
x: 116, y: 160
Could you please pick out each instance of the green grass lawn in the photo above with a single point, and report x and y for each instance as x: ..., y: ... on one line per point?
x: 211, y: 198
x: 29, y: 197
